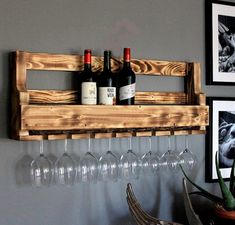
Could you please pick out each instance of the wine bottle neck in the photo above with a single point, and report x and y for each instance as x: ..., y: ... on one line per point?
x: 87, y: 66
x: 87, y: 59
x: 126, y: 64
x: 127, y: 57
x: 107, y: 63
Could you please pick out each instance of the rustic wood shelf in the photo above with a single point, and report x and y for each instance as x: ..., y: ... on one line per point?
x: 54, y: 114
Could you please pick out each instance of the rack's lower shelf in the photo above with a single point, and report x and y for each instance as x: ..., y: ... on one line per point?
x: 81, y: 121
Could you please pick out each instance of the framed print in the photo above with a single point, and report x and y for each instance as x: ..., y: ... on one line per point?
x: 220, y: 43
x: 220, y: 137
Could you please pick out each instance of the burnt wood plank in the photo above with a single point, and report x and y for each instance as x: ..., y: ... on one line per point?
x: 62, y: 62
x: 71, y: 97
x: 72, y: 117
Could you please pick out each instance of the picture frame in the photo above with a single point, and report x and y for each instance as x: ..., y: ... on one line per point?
x: 220, y: 39
x: 219, y: 137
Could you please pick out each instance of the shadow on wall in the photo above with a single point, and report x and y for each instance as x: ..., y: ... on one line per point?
x: 5, y: 93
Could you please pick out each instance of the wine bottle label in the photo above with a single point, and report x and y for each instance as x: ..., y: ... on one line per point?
x: 127, y: 91
x: 107, y: 95
x: 89, y: 93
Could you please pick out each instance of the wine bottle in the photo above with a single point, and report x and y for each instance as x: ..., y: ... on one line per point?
x: 88, y: 84
x: 126, y: 81
x: 107, y: 87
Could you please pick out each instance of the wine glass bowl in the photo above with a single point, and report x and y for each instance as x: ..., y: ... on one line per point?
x: 108, y: 165
x: 89, y: 166
x: 188, y: 159
x: 130, y: 163
x: 149, y: 161
x: 170, y: 158
x: 41, y: 169
x: 65, y: 168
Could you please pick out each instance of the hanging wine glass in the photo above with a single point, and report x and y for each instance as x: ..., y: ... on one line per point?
x: 130, y: 163
x: 170, y: 157
x: 89, y: 166
x: 65, y: 168
x: 156, y: 163
x: 41, y: 169
x: 148, y: 161
x: 189, y: 160
x: 108, y: 165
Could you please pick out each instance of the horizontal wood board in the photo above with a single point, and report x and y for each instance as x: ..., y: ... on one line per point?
x: 41, y: 117
x: 71, y: 97
x: 62, y: 62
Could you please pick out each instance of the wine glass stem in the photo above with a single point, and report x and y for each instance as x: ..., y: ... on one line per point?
x: 130, y: 142
x: 65, y: 145
x: 150, y: 143
x: 169, y: 142
x: 109, y: 147
x: 186, y: 141
x: 89, y: 144
x: 41, y: 147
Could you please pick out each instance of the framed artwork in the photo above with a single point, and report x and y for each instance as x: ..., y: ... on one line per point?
x: 220, y: 137
x: 220, y: 43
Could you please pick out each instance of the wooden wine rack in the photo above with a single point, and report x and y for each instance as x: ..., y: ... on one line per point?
x: 55, y: 114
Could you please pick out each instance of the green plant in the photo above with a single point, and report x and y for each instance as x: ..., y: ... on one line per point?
x: 228, y: 193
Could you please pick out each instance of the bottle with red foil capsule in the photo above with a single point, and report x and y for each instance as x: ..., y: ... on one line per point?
x: 88, y: 84
x: 126, y: 81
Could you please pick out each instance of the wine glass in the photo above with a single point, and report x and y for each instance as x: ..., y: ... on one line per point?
x: 65, y: 168
x: 189, y: 160
x: 41, y: 169
x: 108, y: 165
x: 156, y: 163
x: 148, y: 161
x: 89, y: 166
x: 170, y: 158
x: 130, y: 163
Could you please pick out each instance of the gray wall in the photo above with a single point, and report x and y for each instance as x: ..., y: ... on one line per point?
x: 158, y: 29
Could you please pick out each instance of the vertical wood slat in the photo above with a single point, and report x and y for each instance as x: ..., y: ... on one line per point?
x: 20, y: 73
x: 193, y: 83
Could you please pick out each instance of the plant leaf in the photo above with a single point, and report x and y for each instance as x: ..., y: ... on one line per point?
x: 216, y: 199
x: 232, y: 179
x: 206, y: 194
x: 229, y: 201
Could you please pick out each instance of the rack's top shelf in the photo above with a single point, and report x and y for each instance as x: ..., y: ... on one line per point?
x: 54, y: 114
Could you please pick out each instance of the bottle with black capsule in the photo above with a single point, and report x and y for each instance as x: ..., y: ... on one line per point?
x: 106, y: 83
x: 88, y: 84
x: 126, y: 81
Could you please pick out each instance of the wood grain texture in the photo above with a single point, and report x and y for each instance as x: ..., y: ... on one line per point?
x: 71, y: 97
x: 62, y: 62
x: 193, y: 83
x: 53, y: 114
x: 177, y: 98
x: 53, y: 96
x: 110, y: 117
x: 38, y: 137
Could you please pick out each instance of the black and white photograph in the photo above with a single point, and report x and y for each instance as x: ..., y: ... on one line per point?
x: 226, y: 47
x: 220, y: 42
x: 220, y: 137
x: 226, y: 134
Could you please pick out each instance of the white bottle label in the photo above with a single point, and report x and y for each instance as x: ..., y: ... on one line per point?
x: 127, y: 91
x: 89, y: 93
x: 107, y: 95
